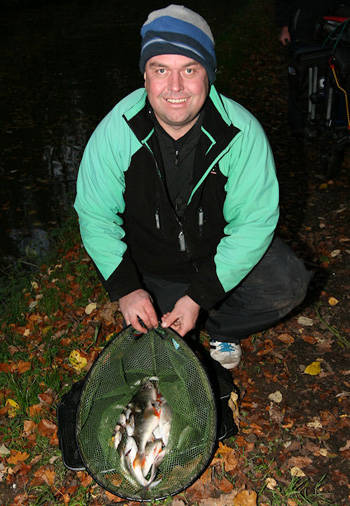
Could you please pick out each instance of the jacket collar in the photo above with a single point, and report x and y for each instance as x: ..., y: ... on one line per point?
x: 217, y: 126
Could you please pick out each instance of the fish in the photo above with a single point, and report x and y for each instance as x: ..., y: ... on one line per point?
x: 152, y: 450
x: 146, y: 395
x: 165, y: 419
x: 146, y: 423
x: 130, y: 425
x: 133, y: 461
x: 142, y: 434
x: 117, y: 436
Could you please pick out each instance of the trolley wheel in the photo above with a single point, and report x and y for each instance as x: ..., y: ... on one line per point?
x: 331, y: 162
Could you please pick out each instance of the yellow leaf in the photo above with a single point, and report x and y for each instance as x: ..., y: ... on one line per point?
x: 313, y: 369
x: 13, y: 407
x: 296, y: 471
x: 90, y: 307
x: 271, y: 483
x: 77, y: 360
x: 332, y: 301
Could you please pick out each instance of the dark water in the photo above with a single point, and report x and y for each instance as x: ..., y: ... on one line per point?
x: 64, y: 64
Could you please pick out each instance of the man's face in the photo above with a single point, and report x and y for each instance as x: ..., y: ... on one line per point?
x: 177, y: 88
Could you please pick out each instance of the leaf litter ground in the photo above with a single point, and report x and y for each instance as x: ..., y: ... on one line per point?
x: 293, y: 445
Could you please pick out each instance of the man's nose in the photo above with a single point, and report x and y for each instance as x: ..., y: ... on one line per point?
x: 175, y: 81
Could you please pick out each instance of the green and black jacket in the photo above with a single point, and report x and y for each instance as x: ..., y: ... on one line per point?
x: 129, y: 226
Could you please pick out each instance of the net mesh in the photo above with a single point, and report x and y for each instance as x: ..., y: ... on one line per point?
x: 124, y: 364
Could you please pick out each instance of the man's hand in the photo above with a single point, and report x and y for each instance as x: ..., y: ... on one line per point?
x: 138, y: 304
x: 183, y: 317
x: 284, y: 36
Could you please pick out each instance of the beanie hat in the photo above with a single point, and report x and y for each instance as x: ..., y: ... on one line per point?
x: 178, y: 30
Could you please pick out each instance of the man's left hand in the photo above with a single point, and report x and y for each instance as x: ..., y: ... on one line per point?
x: 183, y: 317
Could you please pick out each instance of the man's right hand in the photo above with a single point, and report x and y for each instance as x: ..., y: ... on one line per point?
x: 138, y: 305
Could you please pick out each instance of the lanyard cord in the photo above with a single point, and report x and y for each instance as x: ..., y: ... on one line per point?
x: 332, y: 66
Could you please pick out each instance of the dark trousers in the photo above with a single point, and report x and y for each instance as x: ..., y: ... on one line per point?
x: 275, y: 286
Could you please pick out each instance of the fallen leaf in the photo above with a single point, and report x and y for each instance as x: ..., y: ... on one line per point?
x: 46, y: 474
x: 77, y: 360
x: 177, y: 502
x: 245, y: 498
x: 295, y: 471
x: 271, y: 483
x: 28, y: 427
x: 313, y: 369
x: 90, y: 308
x: 276, y: 397
x: 346, y: 447
x: 299, y: 462
x: 13, y: 407
x: 315, y: 424
x: 23, y: 366
x: 4, y: 450
x: 276, y: 414
x: 332, y: 301
x: 286, y: 338
x: 17, y: 456
x: 223, y: 484
x: 303, y: 320
x: 234, y: 406
x: 46, y: 428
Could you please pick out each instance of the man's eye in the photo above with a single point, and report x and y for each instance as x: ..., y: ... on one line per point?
x: 189, y: 71
x: 161, y: 71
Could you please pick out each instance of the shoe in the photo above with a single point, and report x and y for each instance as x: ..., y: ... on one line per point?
x: 227, y: 354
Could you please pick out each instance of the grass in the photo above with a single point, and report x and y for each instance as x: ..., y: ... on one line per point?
x: 298, y: 492
x: 341, y: 339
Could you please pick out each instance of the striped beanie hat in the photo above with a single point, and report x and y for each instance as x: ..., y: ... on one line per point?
x: 178, y: 30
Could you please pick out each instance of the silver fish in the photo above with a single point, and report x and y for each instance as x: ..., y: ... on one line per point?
x: 134, y: 462
x: 152, y: 450
x: 145, y: 424
x: 142, y: 434
x: 165, y: 419
x: 146, y: 395
x: 117, y: 436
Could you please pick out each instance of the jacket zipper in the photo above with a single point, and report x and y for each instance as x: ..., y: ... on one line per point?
x: 181, y: 235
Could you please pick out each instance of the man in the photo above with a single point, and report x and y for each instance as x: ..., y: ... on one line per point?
x: 178, y: 199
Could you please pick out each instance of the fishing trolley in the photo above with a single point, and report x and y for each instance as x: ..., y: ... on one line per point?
x: 325, y: 72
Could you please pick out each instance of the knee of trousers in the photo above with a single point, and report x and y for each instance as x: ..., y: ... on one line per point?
x: 296, y: 287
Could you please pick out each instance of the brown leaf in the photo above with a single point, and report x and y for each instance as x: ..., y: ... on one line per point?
x: 286, y: 338
x: 309, y: 339
x: 299, y: 462
x: 45, y: 474
x: 21, y: 498
x: 47, y: 398
x: 35, y: 410
x: 245, y: 498
x: 5, y: 367
x: 268, y: 347
x: 23, y: 366
x: 17, y: 456
x: 46, y: 428
x: 223, y: 484
x: 28, y: 427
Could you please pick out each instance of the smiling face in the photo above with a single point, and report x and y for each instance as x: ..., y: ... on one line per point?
x: 177, y: 88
